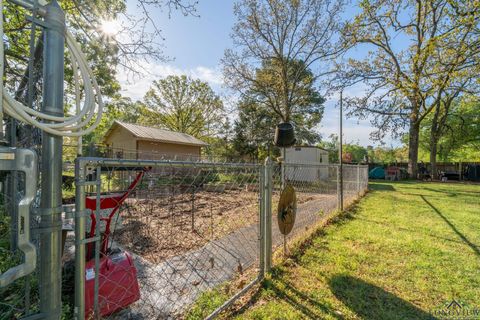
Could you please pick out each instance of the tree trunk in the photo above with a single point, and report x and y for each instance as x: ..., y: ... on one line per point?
x: 434, y: 134
x: 433, y: 158
x: 413, y: 138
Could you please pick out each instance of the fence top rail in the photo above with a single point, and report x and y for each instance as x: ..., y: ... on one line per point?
x: 111, y: 162
x: 355, y: 165
x: 308, y: 165
x: 323, y: 165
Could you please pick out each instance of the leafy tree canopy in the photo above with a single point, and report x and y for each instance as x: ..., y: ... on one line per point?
x: 183, y: 104
x: 259, y: 111
x: 437, y: 39
x: 306, y: 104
x: 460, y: 138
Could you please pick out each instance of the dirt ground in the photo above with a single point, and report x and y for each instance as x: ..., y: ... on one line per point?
x: 167, y: 226
x: 171, y: 225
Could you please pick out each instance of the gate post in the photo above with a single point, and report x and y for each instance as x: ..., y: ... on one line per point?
x: 51, y: 171
x: 80, y: 218
x: 268, y: 213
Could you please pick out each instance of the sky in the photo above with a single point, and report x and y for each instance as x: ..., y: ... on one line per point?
x: 196, y: 46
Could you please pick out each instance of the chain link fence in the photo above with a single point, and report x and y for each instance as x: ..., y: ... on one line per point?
x: 318, y: 194
x: 178, y: 230
x: 355, y: 182
x: 151, y: 237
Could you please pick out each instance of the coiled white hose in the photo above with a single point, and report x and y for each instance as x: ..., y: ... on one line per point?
x: 76, y: 125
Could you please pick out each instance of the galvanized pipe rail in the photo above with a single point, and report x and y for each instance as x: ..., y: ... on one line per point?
x: 160, y: 163
x: 51, y: 173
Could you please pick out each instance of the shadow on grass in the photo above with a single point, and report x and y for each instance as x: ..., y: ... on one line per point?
x: 472, y: 245
x: 372, y: 302
x: 254, y: 298
x: 454, y: 193
x: 340, y: 219
x: 381, y: 187
x: 436, y: 187
x: 309, y: 307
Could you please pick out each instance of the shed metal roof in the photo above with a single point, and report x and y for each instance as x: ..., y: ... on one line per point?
x: 156, y: 134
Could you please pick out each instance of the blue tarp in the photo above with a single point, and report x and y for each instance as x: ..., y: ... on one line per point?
x: 377, y: 173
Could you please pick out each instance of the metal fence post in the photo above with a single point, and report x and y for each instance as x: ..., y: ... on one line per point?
x: 339, y: 188
x: 268, y: 213
x: 80, y: 216
x: 262, y: 220
x: 51, y: 174
x: 96, y: 305
x: 340, y: 158
x: 358, y: 179
x: 282, y: 168
x: 365, y: 179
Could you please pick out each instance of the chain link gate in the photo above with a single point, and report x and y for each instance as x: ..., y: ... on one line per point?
x: 318, y: 190
x: 186, y: 228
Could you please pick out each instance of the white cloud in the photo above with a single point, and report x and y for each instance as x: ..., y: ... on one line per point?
x: 135, y: 87
x: 212, y: 76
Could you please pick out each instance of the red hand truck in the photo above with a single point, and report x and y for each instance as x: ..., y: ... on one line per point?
x: 118, y: 284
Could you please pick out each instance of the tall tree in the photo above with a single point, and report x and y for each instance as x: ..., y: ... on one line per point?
x: 402, y: 70
x: 459, y: 82
x: 118, y: 108
x: 276, y: 43
x: 253, y: 130
x: 259, y: 111
x: 132, y: 39
x: 306, y: 104
x: 438, y: 121
x: 128, y: 41
x: 459, y: 137
x: 185, y: 105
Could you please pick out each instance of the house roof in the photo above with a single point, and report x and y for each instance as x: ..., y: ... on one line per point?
x: 156, y: 134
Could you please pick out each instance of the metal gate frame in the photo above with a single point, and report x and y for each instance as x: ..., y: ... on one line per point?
x: 87, y: 165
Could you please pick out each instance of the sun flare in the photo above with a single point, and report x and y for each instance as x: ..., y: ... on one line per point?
x: 109, y: 27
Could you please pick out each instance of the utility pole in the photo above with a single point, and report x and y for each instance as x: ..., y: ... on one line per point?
x: 340, y: 153
x: 51, y: 165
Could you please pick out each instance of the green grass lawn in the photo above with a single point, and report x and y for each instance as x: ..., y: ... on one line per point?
x: 403, y: 252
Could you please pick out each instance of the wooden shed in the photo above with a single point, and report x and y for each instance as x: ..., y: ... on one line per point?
x: 132, y: 141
